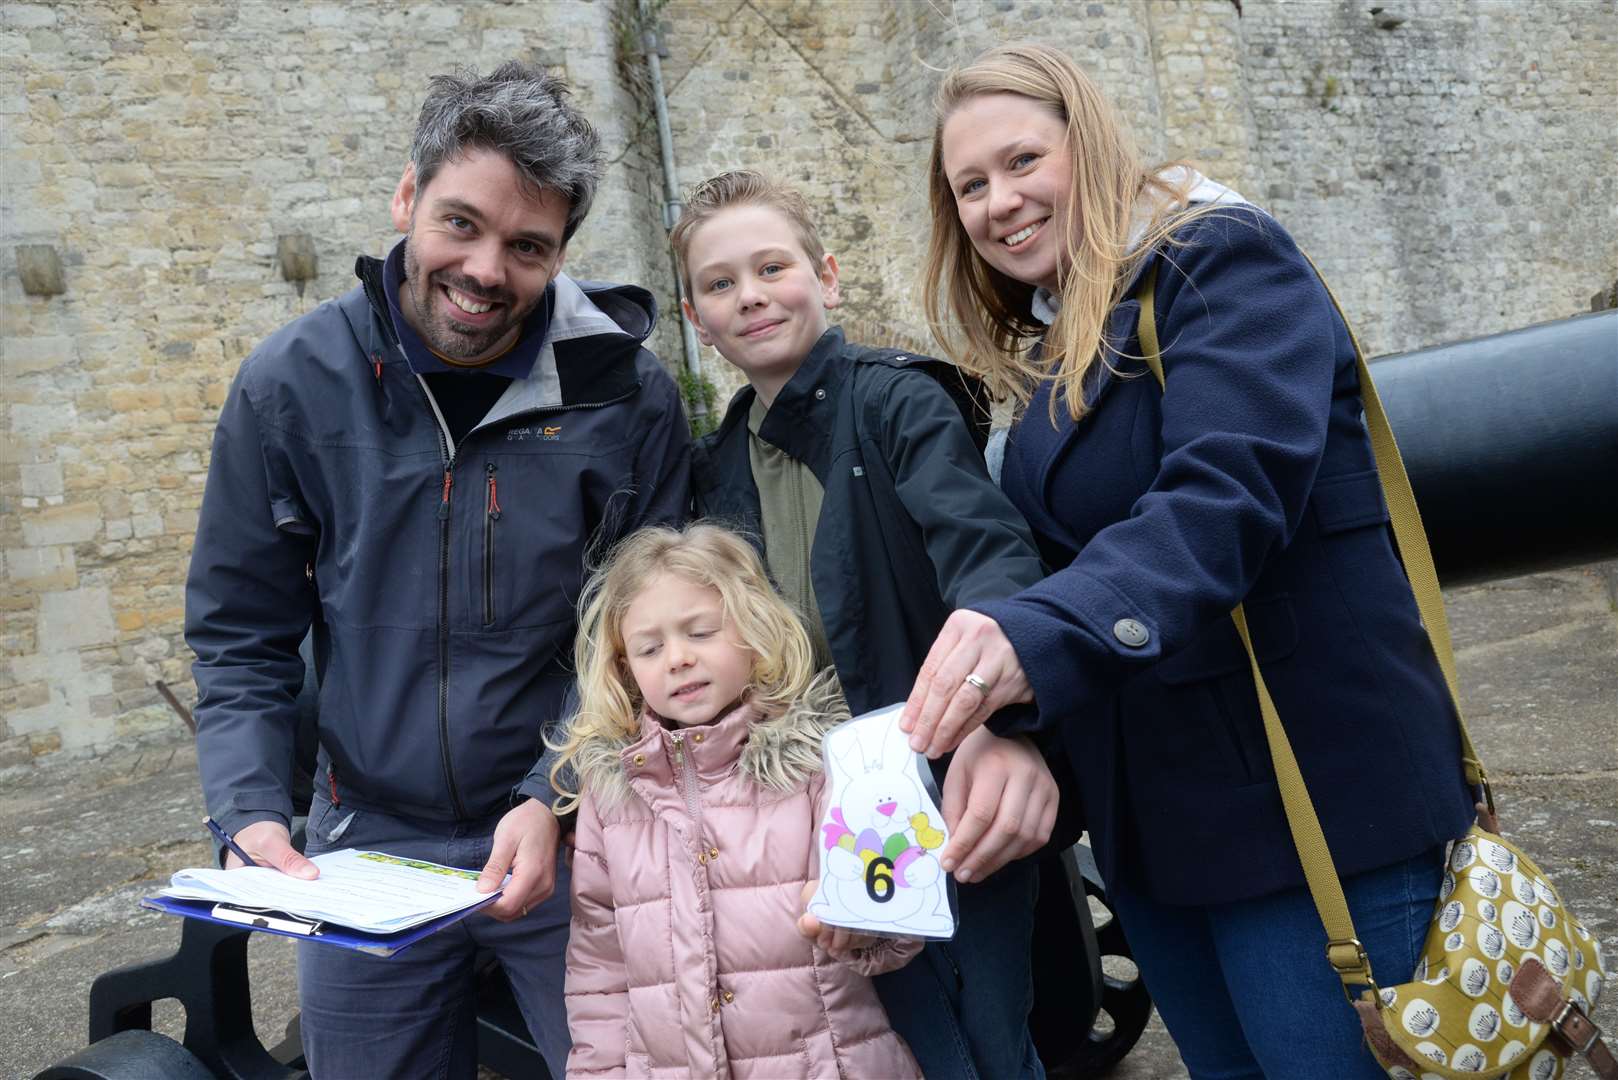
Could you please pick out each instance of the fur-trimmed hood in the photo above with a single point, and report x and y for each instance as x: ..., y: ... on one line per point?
x: 780, y: 753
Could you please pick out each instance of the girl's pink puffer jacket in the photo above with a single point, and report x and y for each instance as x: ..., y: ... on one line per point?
x: 684, y: 958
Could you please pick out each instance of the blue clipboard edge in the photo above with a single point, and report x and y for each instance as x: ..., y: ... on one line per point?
x: 340, y: 936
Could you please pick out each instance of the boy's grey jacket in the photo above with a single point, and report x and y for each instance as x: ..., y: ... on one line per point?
x: 911, y: 526
x: 440, y: 580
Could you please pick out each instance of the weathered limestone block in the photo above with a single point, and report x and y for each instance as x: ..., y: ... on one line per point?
x: 75, y: 618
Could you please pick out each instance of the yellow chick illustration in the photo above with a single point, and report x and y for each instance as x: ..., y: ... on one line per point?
x: 926, y: 836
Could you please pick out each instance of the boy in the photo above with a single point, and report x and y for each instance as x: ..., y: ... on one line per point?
x: 862, y: 477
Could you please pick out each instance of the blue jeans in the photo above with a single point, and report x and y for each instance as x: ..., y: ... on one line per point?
x: 414, y: 1014
x: 1244, y: 988
x: 962, y: 1005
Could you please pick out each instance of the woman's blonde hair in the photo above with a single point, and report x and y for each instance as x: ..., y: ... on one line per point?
x: 981, y: 317
x: 610, y: 702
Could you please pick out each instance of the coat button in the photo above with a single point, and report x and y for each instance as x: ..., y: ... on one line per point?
x: 640, y: 759
x: 1131, y: 633
x: 697, y: 737
x: 713, y: 853
x: 728, y: 996
x: 820, y: 394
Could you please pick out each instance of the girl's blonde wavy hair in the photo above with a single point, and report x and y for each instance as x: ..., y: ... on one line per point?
x: 981, y: 317
x: 610, y: 703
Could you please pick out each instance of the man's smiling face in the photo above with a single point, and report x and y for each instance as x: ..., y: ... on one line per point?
x: 480, y: 250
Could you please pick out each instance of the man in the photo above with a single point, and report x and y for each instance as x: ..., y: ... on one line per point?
x: 418, y: 470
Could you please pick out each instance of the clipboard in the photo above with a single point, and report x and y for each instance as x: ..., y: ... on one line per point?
x: 324, y: 933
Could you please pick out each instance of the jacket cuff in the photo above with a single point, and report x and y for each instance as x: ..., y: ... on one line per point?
x: 1070, y: 662
x: 1021, y: 719
x: 234, y: 821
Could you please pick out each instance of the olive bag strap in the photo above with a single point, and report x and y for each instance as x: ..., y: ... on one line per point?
x: 1343, y: 950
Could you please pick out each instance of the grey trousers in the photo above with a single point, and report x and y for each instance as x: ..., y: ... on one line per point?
x: 414, y: 1014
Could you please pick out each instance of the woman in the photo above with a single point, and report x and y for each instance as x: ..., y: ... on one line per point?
x: 1249, y: 479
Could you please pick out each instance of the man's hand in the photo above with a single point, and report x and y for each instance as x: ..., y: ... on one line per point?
x: 839, y: 941
x: 524, y: 846
x: 1000, y: 804
x: 970, y: 673
x: 270, y: 844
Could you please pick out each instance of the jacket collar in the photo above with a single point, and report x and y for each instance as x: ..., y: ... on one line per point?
x: 800, y: 419
x: 711, y: 748
x: 590, y: 345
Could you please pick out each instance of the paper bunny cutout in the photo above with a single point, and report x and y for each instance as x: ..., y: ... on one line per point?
x: 881, y: 834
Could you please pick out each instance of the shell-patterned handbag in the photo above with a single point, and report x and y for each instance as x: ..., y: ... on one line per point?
x: 1508, y: 976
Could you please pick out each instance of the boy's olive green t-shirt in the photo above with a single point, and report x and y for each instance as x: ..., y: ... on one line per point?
x: 789, y: 497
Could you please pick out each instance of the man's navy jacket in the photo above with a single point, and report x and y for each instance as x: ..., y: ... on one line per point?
x: 441, y: 580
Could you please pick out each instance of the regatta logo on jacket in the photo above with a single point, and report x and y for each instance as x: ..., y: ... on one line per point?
x: 543, y: 434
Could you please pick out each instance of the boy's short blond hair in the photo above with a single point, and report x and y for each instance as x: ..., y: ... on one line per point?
x: 742, y: 187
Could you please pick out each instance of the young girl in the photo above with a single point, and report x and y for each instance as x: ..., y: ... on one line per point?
x: 694, y: 763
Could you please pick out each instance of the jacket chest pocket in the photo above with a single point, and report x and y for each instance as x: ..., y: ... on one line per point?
x: 491, y: 517
x: 517, y: 548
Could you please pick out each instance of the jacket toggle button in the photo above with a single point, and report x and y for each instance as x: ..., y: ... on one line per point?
x: 1131, y: 633
x: 727, y: 997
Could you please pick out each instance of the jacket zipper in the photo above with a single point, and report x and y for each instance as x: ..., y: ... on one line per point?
x: 448, y: 458
x: 693, y: 805
x: 491, y: 514
x: 443, y: 630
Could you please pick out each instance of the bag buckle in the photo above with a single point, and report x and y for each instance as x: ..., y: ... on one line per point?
x: 1559, y: 1021
x: 1353, y: 969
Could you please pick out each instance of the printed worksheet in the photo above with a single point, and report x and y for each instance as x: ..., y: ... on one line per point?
x: 362, y: 890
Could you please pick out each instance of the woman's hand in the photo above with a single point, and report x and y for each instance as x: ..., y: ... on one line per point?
x: 971, y: 672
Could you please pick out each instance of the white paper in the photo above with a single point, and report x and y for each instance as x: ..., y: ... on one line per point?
x: 362, y: 890
x: 881, y: 835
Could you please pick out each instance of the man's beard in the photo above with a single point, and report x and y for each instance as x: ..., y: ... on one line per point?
x: 443, y: 333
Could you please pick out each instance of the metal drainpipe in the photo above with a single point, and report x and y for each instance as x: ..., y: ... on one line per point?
x: 672, y: 206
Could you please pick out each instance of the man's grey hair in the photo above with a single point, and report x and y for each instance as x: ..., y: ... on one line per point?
x: 524, y: 114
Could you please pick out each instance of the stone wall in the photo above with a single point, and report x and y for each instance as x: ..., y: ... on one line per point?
x: 1448, y: 163
x: 161, y: 149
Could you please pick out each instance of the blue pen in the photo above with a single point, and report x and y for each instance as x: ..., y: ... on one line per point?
x: 224, y: 838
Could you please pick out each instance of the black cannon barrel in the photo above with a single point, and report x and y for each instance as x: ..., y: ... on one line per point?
x: 1512, y: 445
